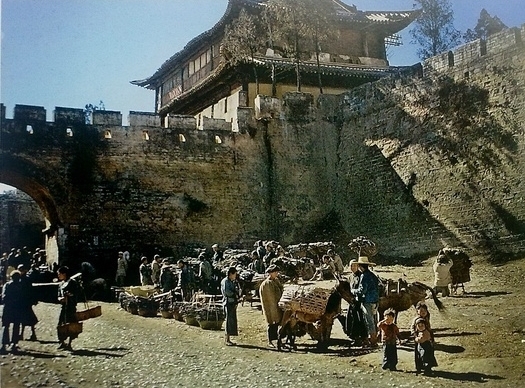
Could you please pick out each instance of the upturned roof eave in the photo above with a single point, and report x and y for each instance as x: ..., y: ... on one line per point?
x: 365, y: 18
x: 329, y: 69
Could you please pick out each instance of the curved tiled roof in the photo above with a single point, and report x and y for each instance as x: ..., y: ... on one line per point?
x: 348, y: 13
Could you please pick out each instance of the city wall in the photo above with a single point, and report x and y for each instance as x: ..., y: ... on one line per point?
x: 413, y: 163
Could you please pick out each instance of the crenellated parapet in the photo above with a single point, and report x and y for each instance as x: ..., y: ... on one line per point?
x: 30, y: 121
x: 471, y: 52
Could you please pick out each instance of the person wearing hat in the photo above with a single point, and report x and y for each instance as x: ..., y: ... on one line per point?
x: 167, y: 278
x: 355, y: 326
x: 270, y: 292
x: 155, y: 270
x: 367, y: 292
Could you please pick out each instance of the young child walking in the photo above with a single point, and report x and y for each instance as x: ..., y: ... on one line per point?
x: 390, y: 335
x: 424, y: 349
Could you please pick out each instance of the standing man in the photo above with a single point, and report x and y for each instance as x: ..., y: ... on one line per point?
x: 230, y: 300
x: 338, y: 262
x: 155, y: 270
x: 205, y: 272
x: 257, y: 264
x: 184, y: 282
x: 271, y: 291
x: 167, y: 279
x: 217, y: 254
x: 122, y: 270
x: 367, y: 292
x: 27, y: 300
x: 145, y: 272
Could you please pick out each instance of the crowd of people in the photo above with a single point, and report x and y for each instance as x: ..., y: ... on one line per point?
x: 362, y: 314
x: 16, y: 270
x: 19, y: 269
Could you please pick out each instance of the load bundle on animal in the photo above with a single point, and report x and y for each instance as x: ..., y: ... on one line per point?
x: 363, y: 246
x: 460, y: 270
x: 314, y: 250
x: 401, y: 295
x: 295, y: 269
x: 305, y: 299
x: 312, y: 310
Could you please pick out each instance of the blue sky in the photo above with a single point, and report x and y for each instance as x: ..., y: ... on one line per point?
x: 73, y: 52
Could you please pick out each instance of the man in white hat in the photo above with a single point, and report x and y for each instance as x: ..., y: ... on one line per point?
x: 271, y: 291
x: 367, y: 292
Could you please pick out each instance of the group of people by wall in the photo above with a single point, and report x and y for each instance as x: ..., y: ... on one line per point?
x: 19, y: 270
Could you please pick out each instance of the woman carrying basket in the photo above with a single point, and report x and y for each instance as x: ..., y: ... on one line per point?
x: 68, y: 292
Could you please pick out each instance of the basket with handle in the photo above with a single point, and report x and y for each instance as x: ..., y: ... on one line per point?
x: 88, y: 312
x: 69, y: 329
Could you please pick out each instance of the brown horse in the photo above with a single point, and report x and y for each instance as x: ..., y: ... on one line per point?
x: 405, y: 295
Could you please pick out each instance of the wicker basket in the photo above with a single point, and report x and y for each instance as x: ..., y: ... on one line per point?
x: 69, y: 329
x: 211, y: 325
x: 191, y: 320
x: 91, y: 312
x: 143, y: 312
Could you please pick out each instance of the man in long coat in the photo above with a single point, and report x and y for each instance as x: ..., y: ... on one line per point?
x: 270, y: 292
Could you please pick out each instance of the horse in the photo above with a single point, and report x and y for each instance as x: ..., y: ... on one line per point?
x: 404, y: 296
x: 296, y: 322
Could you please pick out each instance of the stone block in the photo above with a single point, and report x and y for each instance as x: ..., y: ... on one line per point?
x: 181, y: 122
x: 28, y: 114
x: 143, y: 119
x: 106, y: 117
x: 69, y: 116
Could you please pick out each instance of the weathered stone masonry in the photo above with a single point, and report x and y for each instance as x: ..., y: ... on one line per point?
x: 413, y: 163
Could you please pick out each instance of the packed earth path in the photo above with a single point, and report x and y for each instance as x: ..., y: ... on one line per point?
x: 480, y: 341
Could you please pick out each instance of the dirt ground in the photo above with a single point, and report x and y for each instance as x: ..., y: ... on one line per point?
x: 480, y: 342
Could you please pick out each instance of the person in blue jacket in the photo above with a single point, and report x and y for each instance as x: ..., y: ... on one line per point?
x: 367, y: 292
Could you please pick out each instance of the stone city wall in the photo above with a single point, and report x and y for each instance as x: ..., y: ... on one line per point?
x: 413, y: 163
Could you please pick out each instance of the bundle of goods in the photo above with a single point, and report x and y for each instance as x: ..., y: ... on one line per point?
x: 147, y: 307
x: 311, y: 250
x: 307, y: 299
x: 165, y: 308
x: 211, y: 316
x: 363, y: 246
x: 189, y: 313
x: 143, y: 291
x: 461, y: 263
x: 128, y: 303
x: 176, y: 310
